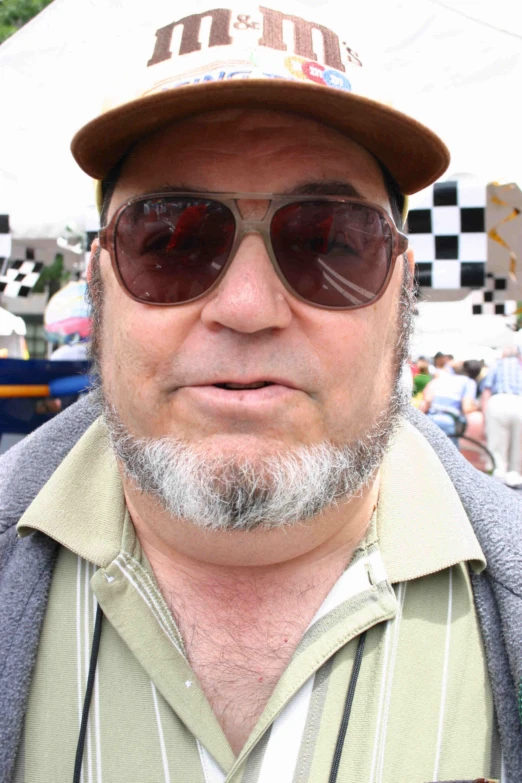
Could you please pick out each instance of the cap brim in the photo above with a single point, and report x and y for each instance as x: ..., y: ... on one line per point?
x: 413, y: 154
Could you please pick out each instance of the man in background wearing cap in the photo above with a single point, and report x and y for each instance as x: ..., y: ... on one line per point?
x: 256, y: 564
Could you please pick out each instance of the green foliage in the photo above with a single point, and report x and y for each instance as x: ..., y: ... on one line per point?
x: 518, y: 313
x: 53, y: 277
x: 15, y: 13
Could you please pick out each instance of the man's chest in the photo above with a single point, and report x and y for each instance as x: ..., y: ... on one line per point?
x: 422, y: 708
x: 238, y: 664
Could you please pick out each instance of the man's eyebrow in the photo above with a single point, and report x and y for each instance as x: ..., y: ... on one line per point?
x: 326, y: 188
x: 313, y: 188
x: 166, y: 188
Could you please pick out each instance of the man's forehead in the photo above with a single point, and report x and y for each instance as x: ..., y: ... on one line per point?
x: 251, y: 151
x: 253, y: 127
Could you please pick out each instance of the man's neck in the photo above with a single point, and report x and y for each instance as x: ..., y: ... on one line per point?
x: 176, y: 546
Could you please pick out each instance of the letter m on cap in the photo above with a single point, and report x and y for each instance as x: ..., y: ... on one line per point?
x: 219, y: 36
x: 273, y: 37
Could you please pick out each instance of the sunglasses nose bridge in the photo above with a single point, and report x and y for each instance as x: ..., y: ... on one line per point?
x: 245, y: 228
x: 253, y: 209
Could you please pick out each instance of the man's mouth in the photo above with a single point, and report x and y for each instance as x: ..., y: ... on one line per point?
x: 231, y: 397
x: 241, y: 386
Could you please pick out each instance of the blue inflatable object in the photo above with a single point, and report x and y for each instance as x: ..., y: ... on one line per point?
x: 72, y: 384
x: 65, y: 379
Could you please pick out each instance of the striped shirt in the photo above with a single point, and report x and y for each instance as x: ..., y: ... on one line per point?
x: 505, y: 377
x: 422, y: 709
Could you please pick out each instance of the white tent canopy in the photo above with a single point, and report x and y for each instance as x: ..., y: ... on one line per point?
x: 455, y: 65
x: 450, y: 327
x: 11, y: 324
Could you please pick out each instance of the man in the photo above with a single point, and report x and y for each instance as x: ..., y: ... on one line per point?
x: 502, y: 406
x: 449, y: 398
x: 442, y: 363
x: 225, y: 577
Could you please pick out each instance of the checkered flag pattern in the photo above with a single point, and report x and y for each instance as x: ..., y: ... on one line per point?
x: 447, y: 231
x: 20, y: 277
x: 5, y: 241
x: 493, y: 299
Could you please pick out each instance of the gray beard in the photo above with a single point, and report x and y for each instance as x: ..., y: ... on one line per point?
x: 214, y: 492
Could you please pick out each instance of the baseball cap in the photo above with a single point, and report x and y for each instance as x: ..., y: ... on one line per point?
x: 255, y: 56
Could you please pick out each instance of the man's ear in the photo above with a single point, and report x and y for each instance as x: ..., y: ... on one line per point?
x: 95, y: 248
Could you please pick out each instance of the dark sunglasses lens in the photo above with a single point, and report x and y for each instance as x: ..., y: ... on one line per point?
x: 173, y: 249
x: 332, y: 254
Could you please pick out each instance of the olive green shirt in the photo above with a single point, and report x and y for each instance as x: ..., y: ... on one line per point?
x: 422, y: 709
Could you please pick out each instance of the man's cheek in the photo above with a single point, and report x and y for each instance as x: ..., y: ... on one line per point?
x: 118, y: 348
x: 138, y: 355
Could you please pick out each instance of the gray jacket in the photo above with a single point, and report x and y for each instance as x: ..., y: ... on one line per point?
x: 27, y: 565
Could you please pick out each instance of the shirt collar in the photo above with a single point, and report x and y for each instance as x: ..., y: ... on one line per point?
x: 421, y: 523
x: 82, y: 506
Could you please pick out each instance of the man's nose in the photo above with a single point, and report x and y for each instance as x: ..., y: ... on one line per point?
x: 251, y: 297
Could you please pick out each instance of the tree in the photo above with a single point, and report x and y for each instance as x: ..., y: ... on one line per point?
x: 15, y: 13
x: 52, y: 278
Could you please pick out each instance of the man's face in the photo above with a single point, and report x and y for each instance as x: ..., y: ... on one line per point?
x: 334, y: 371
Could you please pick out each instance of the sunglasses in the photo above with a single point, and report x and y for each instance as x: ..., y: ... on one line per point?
x: 332, y: 252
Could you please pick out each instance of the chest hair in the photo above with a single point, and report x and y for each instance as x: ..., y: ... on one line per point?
x: 239, y: 642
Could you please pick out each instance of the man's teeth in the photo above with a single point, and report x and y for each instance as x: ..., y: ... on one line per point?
x: 257, y: 385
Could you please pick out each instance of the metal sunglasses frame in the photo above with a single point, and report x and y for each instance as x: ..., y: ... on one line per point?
x: 108, y: 234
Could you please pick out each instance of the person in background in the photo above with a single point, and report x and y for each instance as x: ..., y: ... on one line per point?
x: 449, y: 397
x: 502, y: 407
x: 440, y: 360
x: 423, y: 375
x: 475, y: 423
x: 472, y: 369
x: 484, y: 370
